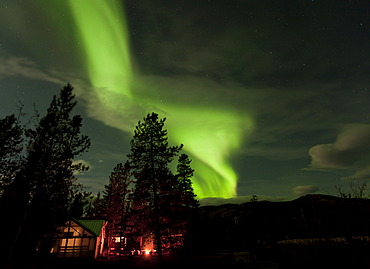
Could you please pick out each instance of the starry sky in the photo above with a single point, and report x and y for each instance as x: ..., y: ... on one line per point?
x: 269, y: 98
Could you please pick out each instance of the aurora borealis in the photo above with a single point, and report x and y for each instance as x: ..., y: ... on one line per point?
x: 108, y: 58
x: 209, y: 135
x: 267, y: 97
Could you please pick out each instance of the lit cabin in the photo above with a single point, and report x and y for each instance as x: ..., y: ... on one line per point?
x: 79, y: 238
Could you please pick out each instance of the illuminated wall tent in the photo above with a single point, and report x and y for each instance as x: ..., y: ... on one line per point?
x: 79, y: 238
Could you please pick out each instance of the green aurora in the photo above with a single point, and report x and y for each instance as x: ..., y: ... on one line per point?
x: 260, y: 93
x: 209, y: 134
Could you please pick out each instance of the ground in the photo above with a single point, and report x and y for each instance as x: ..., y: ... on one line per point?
x: 298, y: 257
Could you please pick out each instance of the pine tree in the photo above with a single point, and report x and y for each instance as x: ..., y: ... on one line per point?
x: 181, y: 205
x: 79, y: 203
x: 11, y: 138
x: 189, y: 203
x: 186, y: 191
x: 118, y: 203
x: 150, y: 158
x: 39, y: 193
x: 97, y: 208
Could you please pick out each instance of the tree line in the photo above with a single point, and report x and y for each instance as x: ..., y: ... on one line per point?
x: 149, y: 196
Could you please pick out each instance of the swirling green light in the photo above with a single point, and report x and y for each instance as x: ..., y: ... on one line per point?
x: 103, y: 31
x: 210, y: 135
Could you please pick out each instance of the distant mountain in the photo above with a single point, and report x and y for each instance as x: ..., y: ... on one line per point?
x: 232, y: 226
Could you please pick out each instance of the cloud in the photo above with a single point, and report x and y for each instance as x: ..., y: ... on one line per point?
x: 122, y: 113
x: 305, y: 189
x: 18, y: 66
x: 113, y: 109
x: 362, y: 174
x: 350, y: 148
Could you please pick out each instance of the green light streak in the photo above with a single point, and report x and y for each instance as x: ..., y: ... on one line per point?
x: 103, y: 31
x: 210, y: 135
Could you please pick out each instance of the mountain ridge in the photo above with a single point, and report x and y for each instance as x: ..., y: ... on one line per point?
x: 245, y: 225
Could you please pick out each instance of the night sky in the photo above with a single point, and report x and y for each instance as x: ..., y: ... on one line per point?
x: 269, y: 98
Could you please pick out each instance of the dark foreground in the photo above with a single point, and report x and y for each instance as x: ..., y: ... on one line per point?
x: 296, y: 257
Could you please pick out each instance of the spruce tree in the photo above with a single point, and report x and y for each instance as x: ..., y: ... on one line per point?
x: 118, y: 201
x: 97, y: 208
x: 11, y: 138
x: 185, y: 188
x: 150, y: 158
x: 181, y: 203
x: 186, y: 202
x: 79, y: 202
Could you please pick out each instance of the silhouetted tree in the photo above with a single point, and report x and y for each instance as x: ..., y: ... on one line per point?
x: 186, y: 191
x: 79, y: 203
x: 357, y: 190
x: 39, y: 195
x: 180, y: 204
x: 118, y: 202
x: 11, y: 138
x: 97, y: 208
x: 150, y: 158
x: 161, y: 199
x: 253, y: 199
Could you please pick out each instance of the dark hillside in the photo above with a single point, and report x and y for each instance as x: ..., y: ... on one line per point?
x: 252, y: 224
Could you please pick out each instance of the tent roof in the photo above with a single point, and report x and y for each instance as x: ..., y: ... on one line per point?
x: 93, y: 226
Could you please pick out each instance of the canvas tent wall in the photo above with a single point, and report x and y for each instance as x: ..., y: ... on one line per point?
x: 79, y: 238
